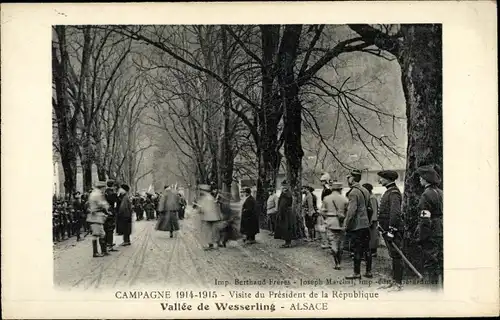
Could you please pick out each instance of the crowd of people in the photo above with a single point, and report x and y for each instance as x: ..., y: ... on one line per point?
x: 72, y: 217
x: 352, y: 222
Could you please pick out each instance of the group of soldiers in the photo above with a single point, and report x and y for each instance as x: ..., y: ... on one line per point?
x: 69, y: 216
x: 355, y: 220
x: 68, y: 219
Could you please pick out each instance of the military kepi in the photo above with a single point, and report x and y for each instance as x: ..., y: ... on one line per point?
x: 388, y: 174
x: 428, y: 174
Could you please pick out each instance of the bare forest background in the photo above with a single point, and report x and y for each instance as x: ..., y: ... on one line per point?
x: 200, y: 103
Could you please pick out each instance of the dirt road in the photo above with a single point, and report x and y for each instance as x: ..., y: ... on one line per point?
x: 156, y: 259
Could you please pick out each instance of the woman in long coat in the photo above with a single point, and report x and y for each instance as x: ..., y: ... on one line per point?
x: 168, y: 208
x: 249, y: 218
x: 124, y: 215
x: 286, y: 221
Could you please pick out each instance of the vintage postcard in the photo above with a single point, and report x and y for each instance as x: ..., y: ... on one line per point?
x: 247, y: 160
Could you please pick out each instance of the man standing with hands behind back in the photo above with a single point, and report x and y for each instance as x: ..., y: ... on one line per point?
x: 357, y: 224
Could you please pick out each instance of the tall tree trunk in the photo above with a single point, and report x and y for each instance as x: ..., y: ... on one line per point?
x: 292, y: 112
x: 419, y: 54
x: 227, y: 156
x: 268, y: 117
x: 66, y: 123
x: 421, y: 75
x: 84, y: 100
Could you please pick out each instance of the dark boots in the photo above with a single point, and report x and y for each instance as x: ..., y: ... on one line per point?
x: 368, y: 260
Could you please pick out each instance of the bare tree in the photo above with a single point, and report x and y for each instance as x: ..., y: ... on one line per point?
x: 418, y: 49
x: 66, y: 115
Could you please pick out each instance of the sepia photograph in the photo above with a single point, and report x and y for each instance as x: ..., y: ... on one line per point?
x: 259, y: 155
x: 249, y: 160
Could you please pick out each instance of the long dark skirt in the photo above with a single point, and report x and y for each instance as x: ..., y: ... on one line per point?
x: 287, y: 226
x: 123, y: 225
x: 150, y: 213
x: 168, y: 221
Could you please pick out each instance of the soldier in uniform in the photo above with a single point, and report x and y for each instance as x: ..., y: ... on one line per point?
x: 272, y: 209
x: 309, y: 211
x: 109, y: 225
x: 149, y: 207
x: 138, y: 207
x: 56, y: 225
x: 320, y: 226
x: 430, y: 207
x: 79, y: 214
x: 156, y: 202
x: 85, y: 202
x: 333, y: 209
x: 98, y: 207
x: 66, y: 221
x: 357, y: 224
x: 390, y: 219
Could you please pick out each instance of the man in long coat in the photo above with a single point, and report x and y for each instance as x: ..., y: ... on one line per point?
x: 390, y: 218
x: 124, y: 215
x: 430, y: 207
x: 249, y: 218
x: 169, y: 207
x: 80, y: 214
x: 357, y: 224
x: 286, y: 221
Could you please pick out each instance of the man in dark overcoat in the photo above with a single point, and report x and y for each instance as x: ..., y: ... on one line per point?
x: 357, y: 224
x: 430, y: 207
x: 249, y: 218
x: 390, y: 219
x: 124, y: 215
x: 286, y: 221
